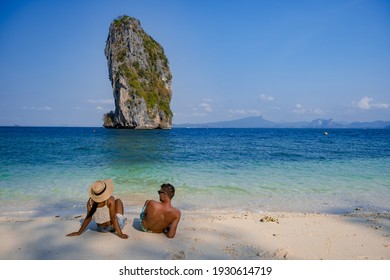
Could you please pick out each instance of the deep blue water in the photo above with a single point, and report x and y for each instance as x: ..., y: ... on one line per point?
x: 47, y: 170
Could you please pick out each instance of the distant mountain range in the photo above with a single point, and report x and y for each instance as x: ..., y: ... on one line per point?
x: 260, y: 122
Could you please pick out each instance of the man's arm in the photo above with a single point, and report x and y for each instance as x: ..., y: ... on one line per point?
x: 172, y: 229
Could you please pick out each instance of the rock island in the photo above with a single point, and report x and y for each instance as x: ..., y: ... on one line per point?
x: 140, y: 78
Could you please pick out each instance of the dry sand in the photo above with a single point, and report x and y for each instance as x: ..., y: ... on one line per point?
x: 205, y: 236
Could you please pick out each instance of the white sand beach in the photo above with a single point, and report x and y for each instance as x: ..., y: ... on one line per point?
x: 205, y: 236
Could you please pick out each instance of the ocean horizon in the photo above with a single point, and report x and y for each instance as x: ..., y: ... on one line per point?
x: 47, y: 170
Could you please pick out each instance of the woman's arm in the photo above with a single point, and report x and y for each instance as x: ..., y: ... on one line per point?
x: 85, y: 223
x: 114, y: 220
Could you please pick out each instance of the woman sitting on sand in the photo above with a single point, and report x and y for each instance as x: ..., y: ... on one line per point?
x: 104, y: 208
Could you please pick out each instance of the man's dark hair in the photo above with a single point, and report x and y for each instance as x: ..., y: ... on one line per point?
x: 169, y: 189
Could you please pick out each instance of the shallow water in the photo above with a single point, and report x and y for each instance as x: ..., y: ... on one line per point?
x: 46, y: 171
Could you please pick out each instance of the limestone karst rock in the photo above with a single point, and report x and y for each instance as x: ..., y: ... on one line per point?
x: 140, y: 78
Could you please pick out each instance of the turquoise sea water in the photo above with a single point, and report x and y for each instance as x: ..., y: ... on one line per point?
x: 47, y: 171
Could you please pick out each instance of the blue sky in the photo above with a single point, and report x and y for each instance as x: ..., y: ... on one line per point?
x: 283, y: 60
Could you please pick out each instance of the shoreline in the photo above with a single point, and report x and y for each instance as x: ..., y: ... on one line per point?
x: 224, y: 235
x: 198, y: 203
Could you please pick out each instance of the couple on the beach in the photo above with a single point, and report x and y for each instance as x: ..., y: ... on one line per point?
x: 156, y: 216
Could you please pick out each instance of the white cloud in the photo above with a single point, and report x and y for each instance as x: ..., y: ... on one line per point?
x: 267, y: 98
x: 299, y: 109
x: 101, y: 101
x: 202, y: 108
x: 318, y: 111
x: 196, y: 113
x: 206, y: 107
x: 45, y: 108
x: 237, y: 111
x: 366, y: 104
x: 245, y: 112
x: 381, y: 106
x: 254, y: 112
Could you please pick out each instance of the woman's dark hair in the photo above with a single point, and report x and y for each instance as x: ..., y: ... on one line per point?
x: 93, y: 210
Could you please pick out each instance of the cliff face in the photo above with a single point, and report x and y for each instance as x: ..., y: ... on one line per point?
x: 140, y: 78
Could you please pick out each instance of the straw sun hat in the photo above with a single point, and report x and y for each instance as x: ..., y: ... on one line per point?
x: 101, y: 190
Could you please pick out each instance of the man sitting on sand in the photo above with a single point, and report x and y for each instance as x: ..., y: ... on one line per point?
x: 161, y: 216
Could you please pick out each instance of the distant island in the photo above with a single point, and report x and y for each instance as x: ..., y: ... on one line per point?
x: 260, y: 122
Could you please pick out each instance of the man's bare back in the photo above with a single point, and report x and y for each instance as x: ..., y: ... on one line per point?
x: 161, y: 216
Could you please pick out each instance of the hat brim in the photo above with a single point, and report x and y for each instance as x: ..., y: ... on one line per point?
x: 109, y: 184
